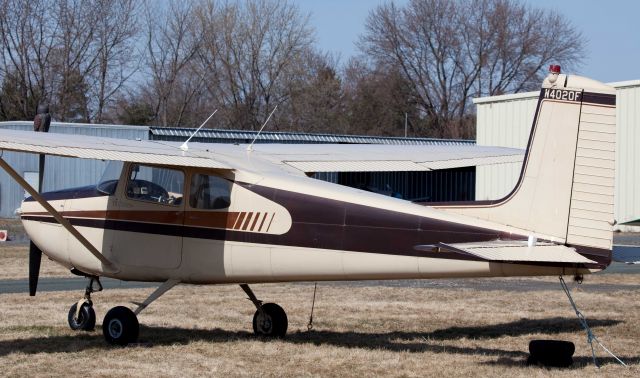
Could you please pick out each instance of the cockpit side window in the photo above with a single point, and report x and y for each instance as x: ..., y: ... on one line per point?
x: 155, y: 184
x: 209, y: 192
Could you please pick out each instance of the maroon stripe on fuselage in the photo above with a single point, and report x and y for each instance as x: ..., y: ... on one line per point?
x: 331, y: 224
x: 321, y: 223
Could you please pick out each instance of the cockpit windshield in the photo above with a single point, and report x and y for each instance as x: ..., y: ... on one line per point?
x: 110, y: 176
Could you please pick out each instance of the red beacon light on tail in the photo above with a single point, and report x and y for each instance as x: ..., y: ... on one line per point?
x: 554, y: 71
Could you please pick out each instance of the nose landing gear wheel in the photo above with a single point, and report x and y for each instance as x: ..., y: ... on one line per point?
x: 271, y: 321
x: 120, y: 326
x: 85, y: 319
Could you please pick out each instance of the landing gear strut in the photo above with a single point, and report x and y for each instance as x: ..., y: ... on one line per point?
x: 81, y: 314
x: 269, y: 320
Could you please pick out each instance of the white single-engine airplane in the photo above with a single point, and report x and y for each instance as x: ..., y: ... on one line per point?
x: 220, y: 214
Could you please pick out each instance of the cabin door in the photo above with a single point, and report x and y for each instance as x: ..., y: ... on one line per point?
x: 149, y: 217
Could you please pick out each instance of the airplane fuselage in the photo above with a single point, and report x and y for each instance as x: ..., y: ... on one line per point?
x: 266, y: 233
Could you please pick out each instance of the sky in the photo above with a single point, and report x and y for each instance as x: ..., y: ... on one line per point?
x: 611, y: 28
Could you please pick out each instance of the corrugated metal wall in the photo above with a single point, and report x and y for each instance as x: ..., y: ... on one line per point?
x: 506, y: 121
x: 502, y: 121
x: 60, y: 172
x: 431, y: 186
x: 627, y: 195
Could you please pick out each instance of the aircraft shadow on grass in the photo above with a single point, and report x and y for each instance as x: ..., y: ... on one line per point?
x: 398, y: 341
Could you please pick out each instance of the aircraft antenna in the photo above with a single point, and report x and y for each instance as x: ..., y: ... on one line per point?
x: 263, y: 125
x: 185, y: 146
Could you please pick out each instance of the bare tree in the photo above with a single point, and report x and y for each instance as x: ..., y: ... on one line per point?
x: 317, y: 100
x: 450, y: 50
x: 251, y: 48
x: 172, y: 42
x: 115, y: 38
x: 378, y: 100
x: 74, y: 57
x: 27, y: 36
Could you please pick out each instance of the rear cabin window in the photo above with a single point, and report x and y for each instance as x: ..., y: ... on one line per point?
x: 209, y: 192
x: 155, y: 184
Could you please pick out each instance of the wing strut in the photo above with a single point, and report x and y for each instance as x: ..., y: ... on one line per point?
x: 56, y: 215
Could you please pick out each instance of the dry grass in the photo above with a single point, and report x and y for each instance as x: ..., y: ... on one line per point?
x: 14, y: 260
x: 359, y: 331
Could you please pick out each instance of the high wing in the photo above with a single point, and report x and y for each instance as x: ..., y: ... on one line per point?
x: 303, y: 157
x: 101, y: 148
x: 385, y: 158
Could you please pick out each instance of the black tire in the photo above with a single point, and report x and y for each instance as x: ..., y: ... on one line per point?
x: 271, y: 321
x: 86, y: 320
x: 552, y: 353
x: 120, y: 326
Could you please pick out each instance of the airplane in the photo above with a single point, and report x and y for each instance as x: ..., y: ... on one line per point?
x: 237, y: 214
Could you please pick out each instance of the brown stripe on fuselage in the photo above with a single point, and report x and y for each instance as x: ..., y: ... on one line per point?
x: 262, y: 222
x: 212, y: 219
x: 164, y: 217
x: 269, y: 226
x: 247, y: 221
x: 231, y: 219
x: 240, y: 220
x: 255, y: 220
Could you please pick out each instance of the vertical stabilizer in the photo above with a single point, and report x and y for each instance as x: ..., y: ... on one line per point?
x: 566, y: 186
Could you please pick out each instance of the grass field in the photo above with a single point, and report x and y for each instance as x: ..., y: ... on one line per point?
x: 358, y: 330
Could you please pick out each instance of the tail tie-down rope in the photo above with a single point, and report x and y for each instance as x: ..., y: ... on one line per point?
x: 583, y: 321
x: 313, y: 304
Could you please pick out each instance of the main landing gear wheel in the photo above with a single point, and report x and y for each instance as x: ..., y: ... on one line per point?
x: 270, y: 320
x: 120, y: 326
x: 84, y: 320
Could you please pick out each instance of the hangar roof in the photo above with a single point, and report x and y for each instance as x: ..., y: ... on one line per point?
x: 244, y: 136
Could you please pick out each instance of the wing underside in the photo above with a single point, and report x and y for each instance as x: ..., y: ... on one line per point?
x: 386, y: 158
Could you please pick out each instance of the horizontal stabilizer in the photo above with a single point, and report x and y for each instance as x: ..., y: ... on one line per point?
x: 512, y: 251
x: 629, y: 254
